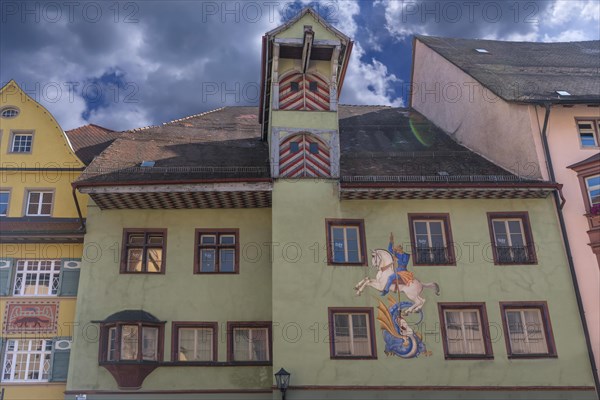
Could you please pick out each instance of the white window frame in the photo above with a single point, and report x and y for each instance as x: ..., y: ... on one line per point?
x: 32, y: 267
x: 595, y: 131
x: 17, y: 350
x: 13, y: 139
x: 250, y: 342
x: 463, y: 328
x: 428, y: 228
x: 345, y: 229
x: 7, y: 202
x: 589, y: 188
x: 40, y: 203
x: 526, y: 330
x: 351, y: 340
x: 508, y: 232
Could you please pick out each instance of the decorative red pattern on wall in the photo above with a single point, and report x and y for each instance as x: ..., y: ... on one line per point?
x: 31, y: 317
x: 303, y: 163
x: 303, y: 98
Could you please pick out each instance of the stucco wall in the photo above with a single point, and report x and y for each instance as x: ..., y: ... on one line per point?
x: 304, y: 287
x: 473, y: 115
x: 565, y: 149
x: 179, y: 295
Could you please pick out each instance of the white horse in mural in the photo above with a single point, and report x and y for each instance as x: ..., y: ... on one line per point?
x: 384, y: 262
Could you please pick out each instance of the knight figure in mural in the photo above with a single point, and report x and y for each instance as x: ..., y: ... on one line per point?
x: 401, y: 274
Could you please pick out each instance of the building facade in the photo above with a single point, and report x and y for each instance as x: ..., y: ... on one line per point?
x: 359, y: 247
x: 534, y: 109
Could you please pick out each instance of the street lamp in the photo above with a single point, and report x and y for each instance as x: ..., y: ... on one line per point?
x: 283, y: 380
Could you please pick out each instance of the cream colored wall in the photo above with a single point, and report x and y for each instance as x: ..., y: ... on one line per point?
x: 297, y: 29
x: 474, y: 116
x: 565, y: 150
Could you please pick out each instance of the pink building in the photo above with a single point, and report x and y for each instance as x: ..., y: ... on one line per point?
x: 532, y: 108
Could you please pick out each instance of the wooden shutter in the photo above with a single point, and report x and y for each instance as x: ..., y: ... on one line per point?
x: 7, y: 266
x: 69, y: 276
x: 59, y: 362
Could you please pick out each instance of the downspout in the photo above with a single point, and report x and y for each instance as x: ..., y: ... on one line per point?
x: 563, y: 229
x: 81, y: 221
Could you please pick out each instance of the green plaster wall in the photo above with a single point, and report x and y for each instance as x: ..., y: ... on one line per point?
x: 179, y: 295
x: 304, y: 287
x: 297, y: 30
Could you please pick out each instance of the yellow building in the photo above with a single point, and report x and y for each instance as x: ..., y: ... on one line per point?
x: 41, y: 243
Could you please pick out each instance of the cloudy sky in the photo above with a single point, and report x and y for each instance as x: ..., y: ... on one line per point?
x: 136, y: 63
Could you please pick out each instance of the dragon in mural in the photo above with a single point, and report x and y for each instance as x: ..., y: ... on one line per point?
x: 400, y: 339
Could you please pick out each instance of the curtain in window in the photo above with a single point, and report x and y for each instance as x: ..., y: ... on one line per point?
x: 149, y: 343
x: 129, y: 342
x: 241, y: 343
x: 360, y: 335
x: 341, y: 335
x: 195, y: 344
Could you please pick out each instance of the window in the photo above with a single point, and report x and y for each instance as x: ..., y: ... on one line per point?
x: 37, y: 278
x: 21, y: 143
x: 39, y: 203
x: 312, y: 86
x: 9, y: 112
x: 217, y: 251
x: 592, y: 185
x: 346, y: 242
x: 527, y: 330
x: 4, y: 197
x: 511, y: 238
x: 294, y: 147
x: 588, y: 132
x: 314, y: 148
x: 294, y: 87
x: 249, y: 342
x: 144, y: 251
x: 27, y: 360
x: 431, y: 239
x: 465, y: 330
x: 194, y: 342
x: 351, y: 333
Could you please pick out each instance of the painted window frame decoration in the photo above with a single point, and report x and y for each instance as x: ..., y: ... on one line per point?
x: 145, y: 247
x: 36, y: 272
x: 4, y: 205
x: 41, y: 203
x: 232, y: 326
x: 25, y: 145
x: 541, y: 307
x: 529, y: 246
x: 217, y: 247
x: 42, y: 353
x: 361, y: 248
x: 593, y: 132
x: 483, y: 323
x: 350, y: 312
x: 176, y: 336
x: 447, y: 255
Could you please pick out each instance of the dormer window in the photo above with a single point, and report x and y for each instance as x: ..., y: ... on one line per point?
x: 9, y: 112
x: 482, y: 51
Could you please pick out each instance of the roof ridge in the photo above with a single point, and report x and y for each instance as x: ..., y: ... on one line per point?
x: 143, y: 128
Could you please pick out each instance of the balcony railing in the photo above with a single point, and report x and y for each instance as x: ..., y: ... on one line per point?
x: 514, y: 254
x: 433, y: 256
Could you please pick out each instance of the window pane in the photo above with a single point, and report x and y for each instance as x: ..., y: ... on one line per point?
x: 259, y: 351
x: 294, y: 147
x: 587, y: 139
x: 227, y: 260
x: 435, y: 228
x: 241, y: 344
x: 314, y: 148
x: 227, y: 239
x: 134, y: 260
x: 149, y: 343
x: 500, y: 233
x: 420, y: 228
x: 208, y: 239
x: 195, y: 344
x: 155, y: 239
x: 136, y: 239
x: 112, y: 344
x: 4, y: 196
x: 129, y: 342
x: 207, y: 260
x: 154, y: 259
x: 341, y: 334
x: 352, y: 245
x: 339, y: 252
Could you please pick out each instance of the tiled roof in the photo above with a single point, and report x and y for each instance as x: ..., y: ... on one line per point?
x: 593, y: 160
x: 15, y: 230
x: 90, y: 140
x: 527, y: 71
x: 225, y: 144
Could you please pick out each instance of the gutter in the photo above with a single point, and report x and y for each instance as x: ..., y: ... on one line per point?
x: 565, y: 236
x: 77, y: 185
x: 81, y: 220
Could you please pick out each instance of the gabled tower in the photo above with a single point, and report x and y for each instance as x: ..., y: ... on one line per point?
x: 303, y: 67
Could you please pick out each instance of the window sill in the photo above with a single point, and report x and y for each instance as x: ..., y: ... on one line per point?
x: 353, y: 358
x: 346, y: 264
x: 530, y: 356
x: 469, y: 357
x: 217, y: 273
x: 448, y: 264
x: 516, y: 263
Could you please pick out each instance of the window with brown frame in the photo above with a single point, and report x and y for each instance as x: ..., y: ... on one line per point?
x: 346, y: 243
x: 194, y: 342
x: 465, y: 330
x: 249, y: 343
x: 217, y: 251
x: 351, y: 333
x: 527, y: 330
x: 589, y: 132
x: 144, y: 251
x: 431, y: 239
x: 131, y: 341
x: 512, y: 241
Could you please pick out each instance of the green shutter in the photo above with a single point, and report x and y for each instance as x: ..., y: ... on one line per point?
x: 6, y: 274
x: 69, y: 276
x: 59, y: 363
